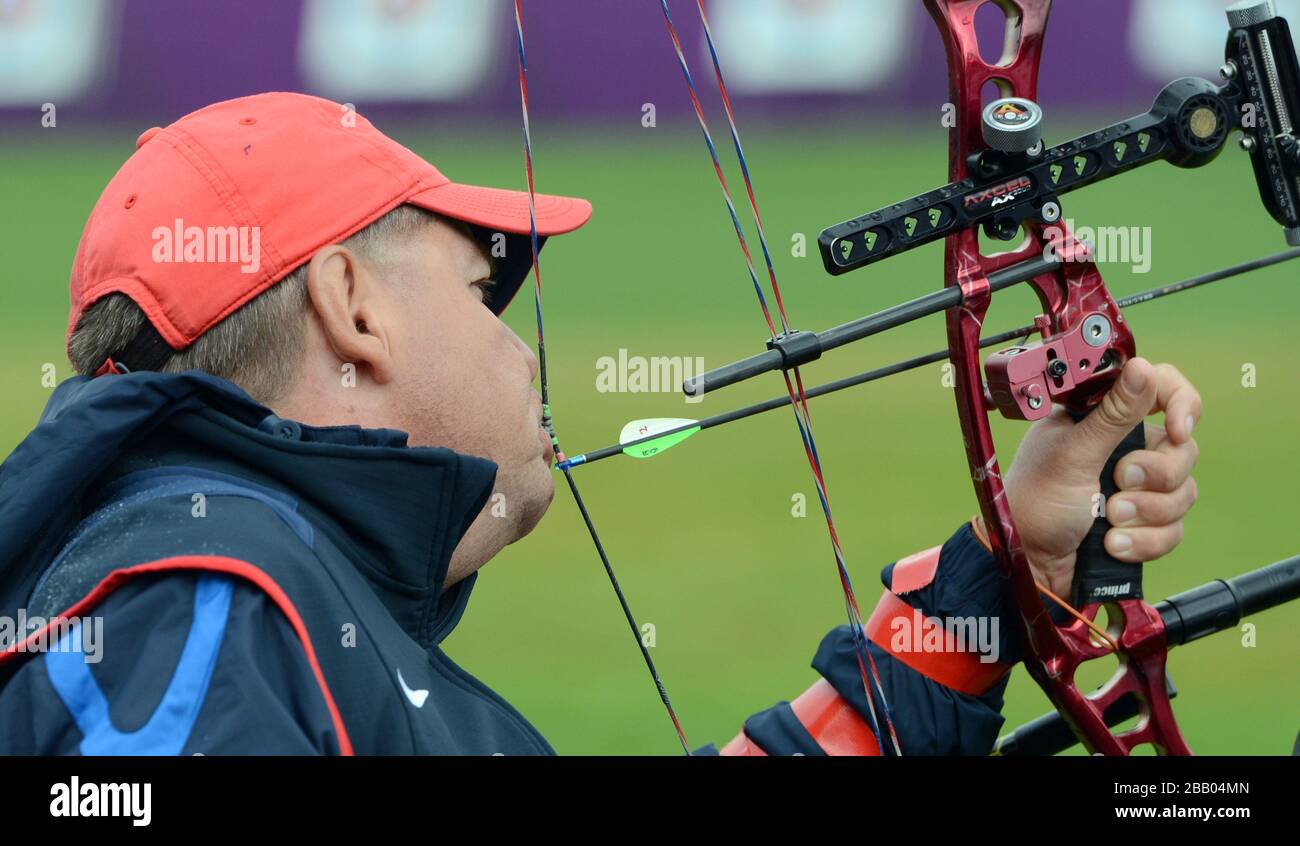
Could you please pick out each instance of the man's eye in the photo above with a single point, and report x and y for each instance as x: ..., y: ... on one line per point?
x: 484, y: 288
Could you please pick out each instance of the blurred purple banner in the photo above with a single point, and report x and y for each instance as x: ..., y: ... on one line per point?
x: 587, y: 58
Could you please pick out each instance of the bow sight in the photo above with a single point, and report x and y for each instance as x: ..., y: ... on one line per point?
x: 1015, y: 180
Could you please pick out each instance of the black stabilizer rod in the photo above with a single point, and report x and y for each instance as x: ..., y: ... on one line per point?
x: 1221, y: 604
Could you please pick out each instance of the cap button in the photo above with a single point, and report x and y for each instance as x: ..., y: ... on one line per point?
x: 146, y: 135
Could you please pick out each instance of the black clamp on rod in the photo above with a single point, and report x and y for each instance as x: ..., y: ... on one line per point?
x: 797, y: 348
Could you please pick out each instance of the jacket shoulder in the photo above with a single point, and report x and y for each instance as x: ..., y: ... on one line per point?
x: 181, y: 656
x: 173, y: 515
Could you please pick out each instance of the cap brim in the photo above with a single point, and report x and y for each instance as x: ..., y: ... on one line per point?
x: 502, y: 210
x: 490, y: 210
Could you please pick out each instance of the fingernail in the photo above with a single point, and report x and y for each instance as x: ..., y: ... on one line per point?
x: 1134, y: 379
x: 1191, y: 424
x: 1120, y: 542
x: 1124, y: 511
x: 1134, y: 476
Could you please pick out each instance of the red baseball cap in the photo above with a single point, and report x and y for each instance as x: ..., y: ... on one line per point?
x: 280, y: 175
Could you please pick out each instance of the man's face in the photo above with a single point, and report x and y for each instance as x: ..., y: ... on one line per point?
x: 462, y: 378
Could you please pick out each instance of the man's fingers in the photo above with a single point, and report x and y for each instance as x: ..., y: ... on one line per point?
x: 1156, y: 484
x: 1148, y: 508
x: 1143, y: 389
x: 1130, y: 399
x: 1180, y: 402
x: 1143, y: 543
x: 1120, y: 411
x: 1164, y: 468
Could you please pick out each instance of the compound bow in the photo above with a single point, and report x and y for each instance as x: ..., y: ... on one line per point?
x: 1003, y: 180
x: 1007, y: 183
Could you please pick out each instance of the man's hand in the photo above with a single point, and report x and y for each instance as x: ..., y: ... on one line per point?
x: 1054, y: 482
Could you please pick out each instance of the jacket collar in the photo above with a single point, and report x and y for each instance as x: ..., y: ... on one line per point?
x: 399, y: 511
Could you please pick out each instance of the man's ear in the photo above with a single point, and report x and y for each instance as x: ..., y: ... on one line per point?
x: 345, y: 296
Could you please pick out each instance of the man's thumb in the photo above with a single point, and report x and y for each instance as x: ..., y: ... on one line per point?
x: 1125, y: 406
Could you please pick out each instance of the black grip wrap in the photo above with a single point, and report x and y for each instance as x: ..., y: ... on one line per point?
x: 1099, y: 576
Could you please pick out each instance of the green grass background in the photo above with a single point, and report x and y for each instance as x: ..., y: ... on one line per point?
x: 702, y: 538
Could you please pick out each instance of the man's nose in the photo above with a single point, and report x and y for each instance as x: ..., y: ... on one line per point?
x: 529, y: 355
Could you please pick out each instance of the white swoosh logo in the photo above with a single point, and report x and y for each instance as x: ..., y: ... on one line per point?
x: 417, y: 697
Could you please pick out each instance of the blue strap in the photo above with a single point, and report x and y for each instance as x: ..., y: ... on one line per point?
x: 173, y: 720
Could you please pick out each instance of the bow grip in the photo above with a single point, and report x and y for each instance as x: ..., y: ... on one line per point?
x: 1098, y: 575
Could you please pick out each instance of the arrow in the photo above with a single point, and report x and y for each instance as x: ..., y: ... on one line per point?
x: 653, y: 436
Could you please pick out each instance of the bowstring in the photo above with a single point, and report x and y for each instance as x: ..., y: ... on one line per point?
x: 798, y: 396
x: 547, y: 421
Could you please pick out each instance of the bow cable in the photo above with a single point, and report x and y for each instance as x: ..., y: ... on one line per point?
x: 547, y: 421
x: 795, y: 388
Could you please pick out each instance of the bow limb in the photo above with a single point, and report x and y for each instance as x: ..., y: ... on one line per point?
x: 1076, y: 308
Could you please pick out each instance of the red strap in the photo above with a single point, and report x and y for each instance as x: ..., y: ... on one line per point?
x: 742, y: 745
x: 210, y: 563
x: 915, y: 571
x: 953, y: 667
x: 835, y: 724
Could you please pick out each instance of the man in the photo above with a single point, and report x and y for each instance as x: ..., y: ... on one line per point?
x: 278, y: 581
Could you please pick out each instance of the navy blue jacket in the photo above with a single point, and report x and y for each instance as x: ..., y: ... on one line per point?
x: 243, y: 584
